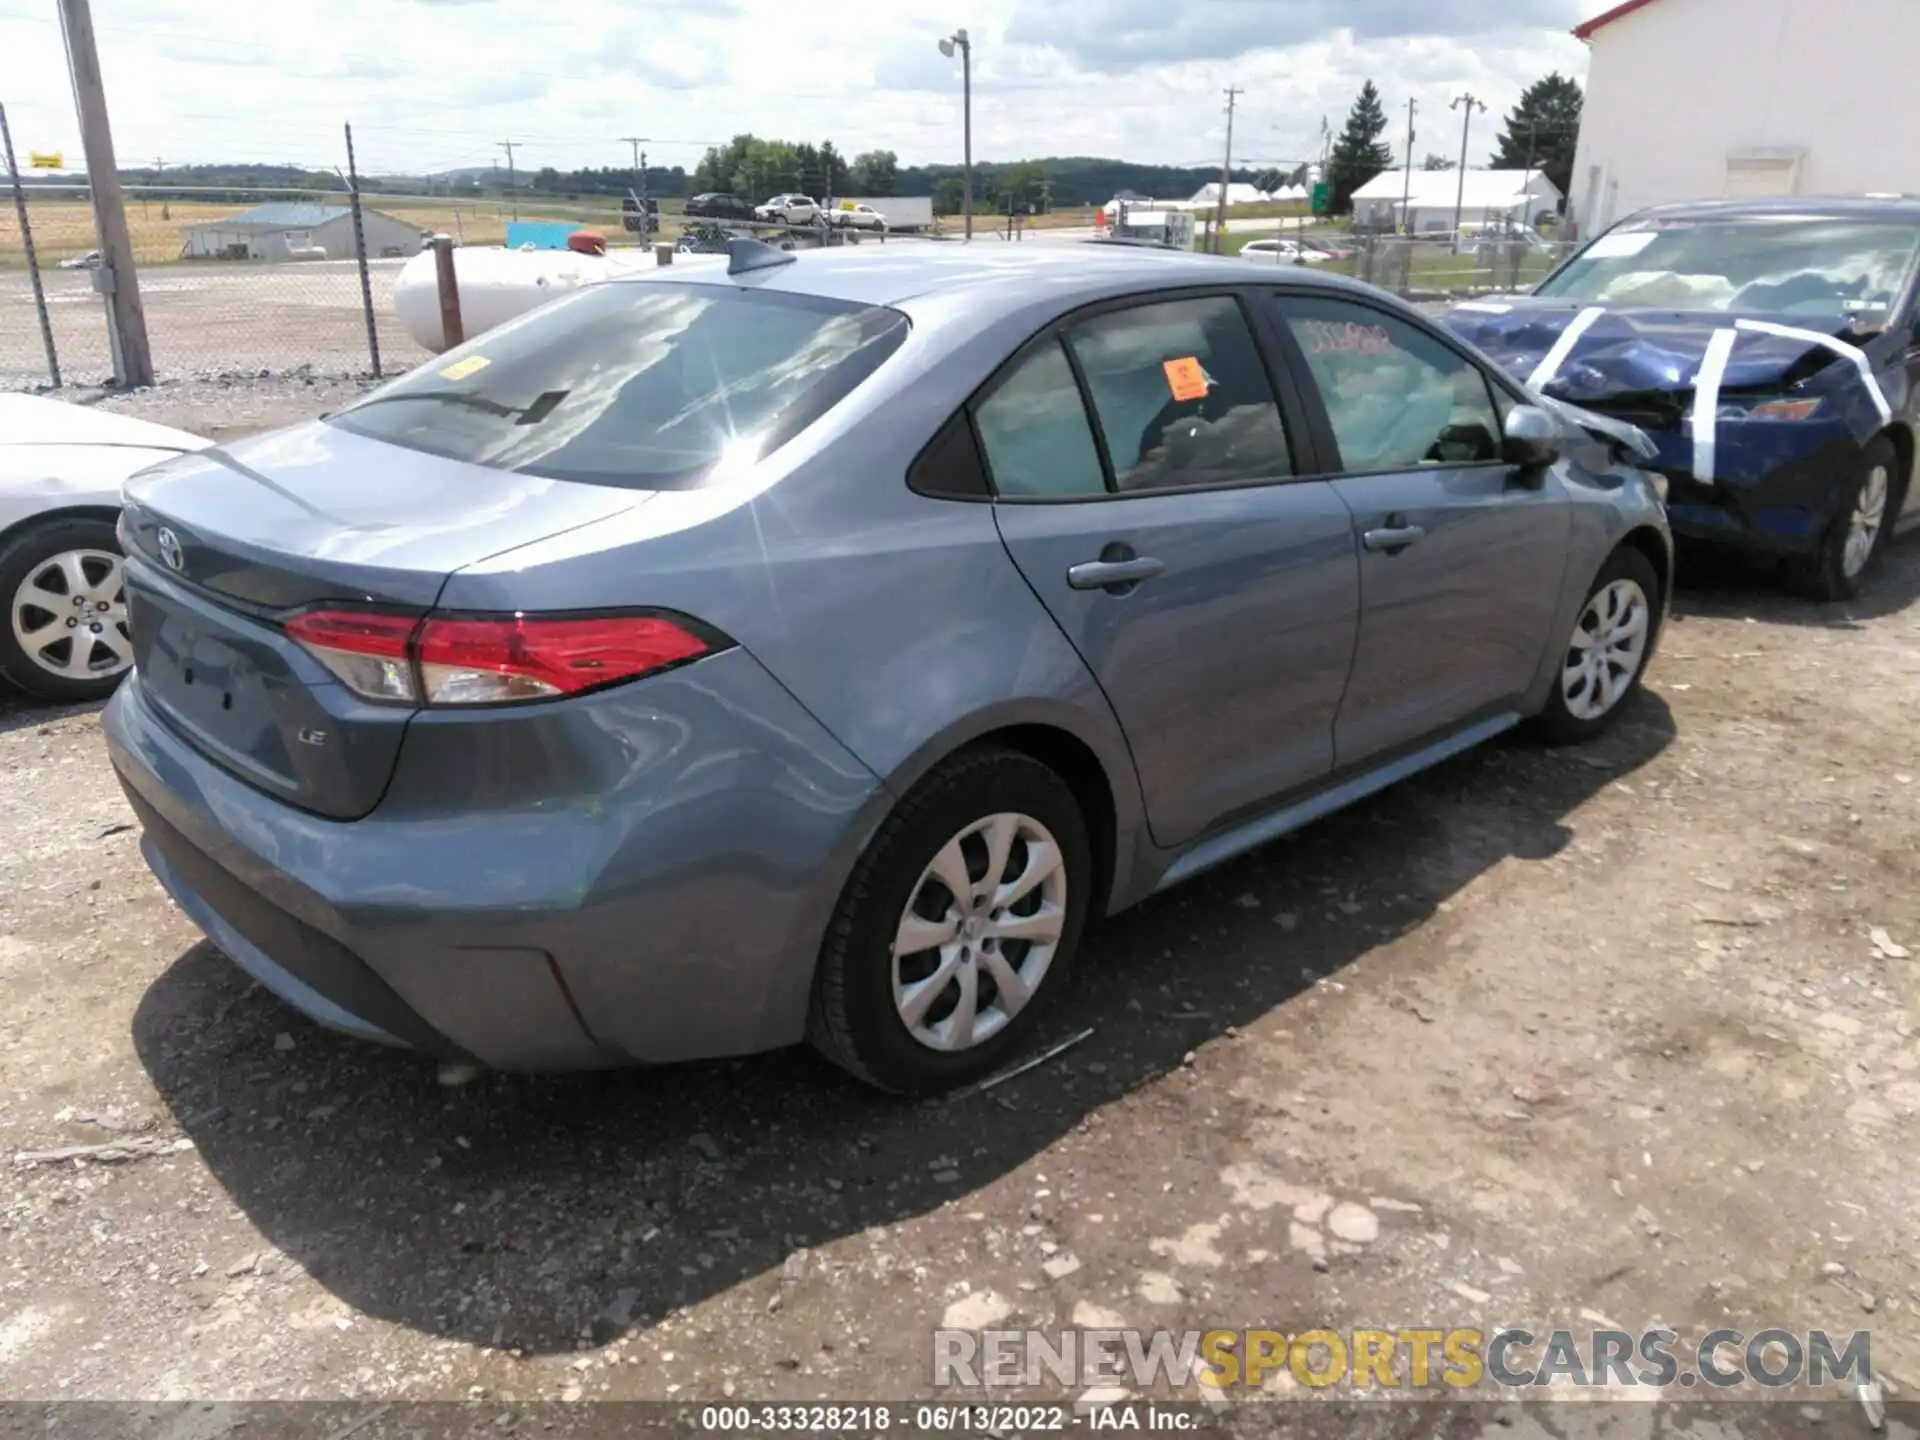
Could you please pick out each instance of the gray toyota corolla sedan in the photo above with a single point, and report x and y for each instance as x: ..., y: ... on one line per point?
x: 809, y: 647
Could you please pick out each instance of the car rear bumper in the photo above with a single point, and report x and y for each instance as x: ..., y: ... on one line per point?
x: 637, y: 875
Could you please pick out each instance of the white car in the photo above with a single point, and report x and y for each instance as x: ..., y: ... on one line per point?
x: 89, y: 261
x: 65, y: 631
x: 1282, y: 252
x: 788, y: 209
x: 857, y: 217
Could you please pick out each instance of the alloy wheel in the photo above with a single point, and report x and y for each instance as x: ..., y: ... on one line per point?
x: 1609, y: 646
x: 1863, y: 525
x: 979, y: 932
x: 70, y: 615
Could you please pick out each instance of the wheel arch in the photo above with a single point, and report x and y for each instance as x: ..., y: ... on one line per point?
x: 1075, y: 762
x: 108, y: 513
x: 1652, y: 544
x: 1097, y: 767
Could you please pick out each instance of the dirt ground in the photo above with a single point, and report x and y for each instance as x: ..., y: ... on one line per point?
x: 1615, y: 1036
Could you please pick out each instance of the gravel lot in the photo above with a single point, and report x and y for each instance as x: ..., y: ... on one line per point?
x: 1539, y: 1037
x: 209, y: 318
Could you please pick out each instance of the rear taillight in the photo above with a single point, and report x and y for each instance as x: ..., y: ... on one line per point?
x: 492, y: 659
x: 367, y: 650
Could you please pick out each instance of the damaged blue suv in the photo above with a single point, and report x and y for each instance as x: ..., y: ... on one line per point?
x: 1771, y: 349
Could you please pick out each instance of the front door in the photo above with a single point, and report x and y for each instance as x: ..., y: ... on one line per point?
x: 1461, y: 556
x: 1212, y: 594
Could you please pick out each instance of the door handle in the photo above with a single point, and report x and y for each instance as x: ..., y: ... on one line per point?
x: 1118, y: 576
x: 1392, y: 537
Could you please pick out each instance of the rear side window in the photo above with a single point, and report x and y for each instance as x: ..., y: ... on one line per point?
x: 1034, y: 430
x: 1396, y: 397
x: 647, y: 386
x: 1181, y: 395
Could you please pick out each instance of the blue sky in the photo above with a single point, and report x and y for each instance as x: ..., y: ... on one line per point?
x: 434, y: 84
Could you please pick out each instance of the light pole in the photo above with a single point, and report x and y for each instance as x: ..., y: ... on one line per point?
x: 1470, y: 102
x: 958, y: 40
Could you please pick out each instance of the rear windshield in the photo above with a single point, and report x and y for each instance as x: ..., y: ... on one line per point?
x: 1827, y: 269
x: 635, y: 384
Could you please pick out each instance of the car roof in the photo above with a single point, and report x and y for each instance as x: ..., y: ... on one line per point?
x: 1810, y: 207
x: 996, y: 276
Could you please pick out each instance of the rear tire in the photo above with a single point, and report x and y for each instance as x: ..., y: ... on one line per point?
x: 1604, y: 659
x: 1857, y: 534
x: 933, y: 1016
x: 63, y: 634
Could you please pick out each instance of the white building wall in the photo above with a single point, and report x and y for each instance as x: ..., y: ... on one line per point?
x: 1822, y: 88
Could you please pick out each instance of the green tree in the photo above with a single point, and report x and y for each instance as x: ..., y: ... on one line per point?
x: 1019, y: 185
x: 949, y: 196
x: 1541, y: 132
x: 877, y: 173
x: 1359, y: 154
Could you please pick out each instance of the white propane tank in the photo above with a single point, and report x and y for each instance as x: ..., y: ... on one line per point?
x: 496, y: 285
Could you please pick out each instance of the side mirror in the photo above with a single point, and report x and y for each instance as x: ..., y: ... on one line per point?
x: 1533, y: 438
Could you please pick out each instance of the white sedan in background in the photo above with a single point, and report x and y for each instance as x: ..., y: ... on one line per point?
x: 856, y: 217
x: 1282, y: 252
x: 64, y: 635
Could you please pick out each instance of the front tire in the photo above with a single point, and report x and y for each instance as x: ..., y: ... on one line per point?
x: 1606, y: 655
x: 957, y: 927
x: 1857, y: 533
x: 64, y: 636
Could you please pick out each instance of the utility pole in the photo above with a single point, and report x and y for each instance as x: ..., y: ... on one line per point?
x: 640, y: 184
x: 959, y: 41
x: 1406, y: 189
x: 513, y: 181
x: 1468, y: 102
x: 127, y: 318
x: 1234, y: 92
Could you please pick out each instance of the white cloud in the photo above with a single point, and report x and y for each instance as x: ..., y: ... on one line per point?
x: 435, y: 84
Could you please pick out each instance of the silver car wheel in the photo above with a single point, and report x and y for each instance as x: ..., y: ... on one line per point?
x: 70, y: 615
x: 1609, y: 646
x: 979, y: 932
x: 1863, y: 526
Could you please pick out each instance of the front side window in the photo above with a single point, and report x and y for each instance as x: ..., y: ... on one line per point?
x: 1397, y: 398
x: 1181, y: 395
x: 1033, y: 428
x: 630, y: 383
x: 1825, y: 269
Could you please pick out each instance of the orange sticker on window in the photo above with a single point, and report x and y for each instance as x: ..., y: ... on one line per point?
x: 1185, y: 378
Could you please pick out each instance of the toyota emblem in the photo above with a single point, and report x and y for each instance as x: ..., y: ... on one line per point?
x: 170, y: 551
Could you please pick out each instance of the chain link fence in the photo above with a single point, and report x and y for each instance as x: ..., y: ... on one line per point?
x: 232, y: 281
x: 1443, y: 266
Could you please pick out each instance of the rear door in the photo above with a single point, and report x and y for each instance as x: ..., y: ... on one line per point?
x: 1147, y: 487
x: 1461, y: 556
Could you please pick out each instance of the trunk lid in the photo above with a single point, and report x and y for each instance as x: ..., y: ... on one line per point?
x: 223, y: 544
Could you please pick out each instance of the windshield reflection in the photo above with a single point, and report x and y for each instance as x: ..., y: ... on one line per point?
x: 1829, y: 269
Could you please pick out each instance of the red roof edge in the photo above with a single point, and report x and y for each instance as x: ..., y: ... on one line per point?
x: 1585, y: 30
